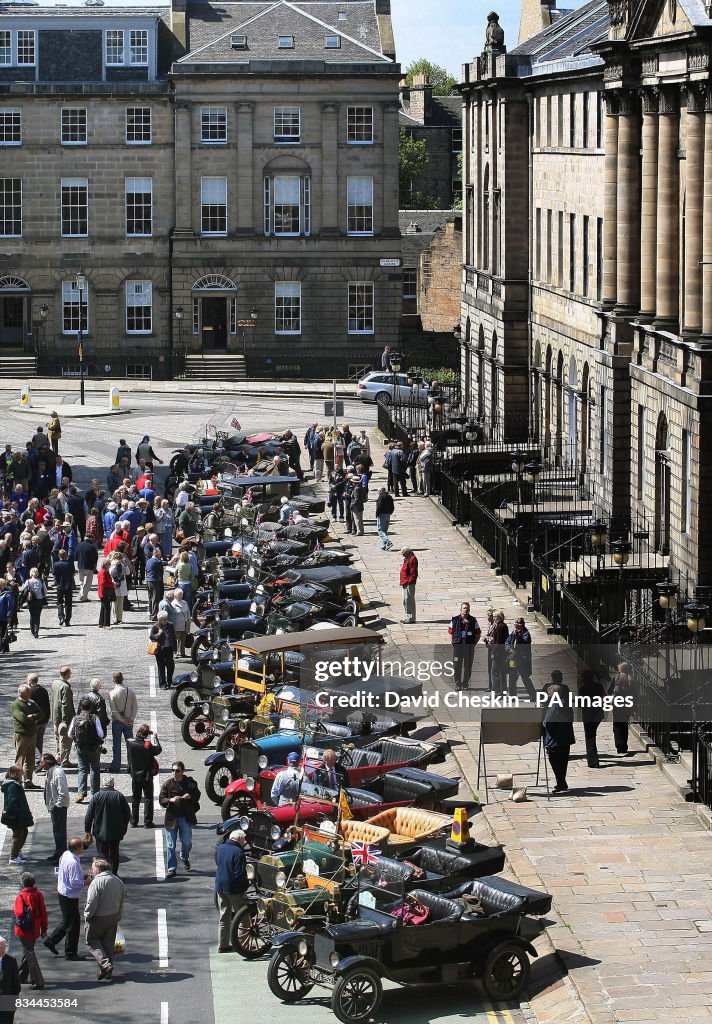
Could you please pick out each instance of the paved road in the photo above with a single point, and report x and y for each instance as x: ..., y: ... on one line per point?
x: 171, y: 973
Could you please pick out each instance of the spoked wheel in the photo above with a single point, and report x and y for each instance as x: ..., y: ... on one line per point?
x: 218, y: 779
x: 506, y: 972
x: 237, y: 804
x: 231, y: 736
x: 250, y: 933
x: 357, y: 995
x: 200, y: 644
x: 288, y: 975
x: 199, y: 609
x: 178, y: 699
x: 197, y: 729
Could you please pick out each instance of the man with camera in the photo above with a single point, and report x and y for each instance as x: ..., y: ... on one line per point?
x: 143, y: 749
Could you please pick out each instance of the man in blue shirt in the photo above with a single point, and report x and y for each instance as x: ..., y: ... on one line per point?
x: 70, y: 883
x: 230, y: 883
x: 288, y: 782
x: 154, y: 582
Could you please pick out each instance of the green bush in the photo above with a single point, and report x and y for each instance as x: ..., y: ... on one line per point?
x: 441, y: 376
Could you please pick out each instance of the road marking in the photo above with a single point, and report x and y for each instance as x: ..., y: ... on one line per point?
x: 164, y: 1013
x: 162, y: 940
x: 152, y: 682
x: 154, y: 723
x: 160, y: 862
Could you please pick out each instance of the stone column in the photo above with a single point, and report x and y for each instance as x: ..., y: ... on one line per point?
x: 183, y: 172
x: 707, y: 222
x: 245, y: 189
x: 610, y: 208
x: 329, y: 169
x: 649, y: 206
x: 668, y: 248
x: 694, y: 148
x: 628, y: 205
x: 389, y: 225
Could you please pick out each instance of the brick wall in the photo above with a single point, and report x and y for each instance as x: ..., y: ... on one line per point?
x: 439, y: 279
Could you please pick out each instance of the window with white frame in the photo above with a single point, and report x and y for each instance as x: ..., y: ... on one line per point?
x: 71, y: 303
x: 285, y: 42
x: 213, y: 206
x: 10, y: 127
x: 10, y: 207
x: 17, y: 46
x: 138, y: 46
x: 138, y: 125
x: 139, y: 206
x: 359, y: 125
x: 75, y: 207
x: 359, y: 206
x: 139, y: 298
x: 126, y: 47
x: 26, y: 46
x: 287, y: 205
x: 213, y: 125
x: 332, y: 42
x: 410, y: 291
x: 114, y: 49
x: 361, y: 308
x: 74, y: 126
x: 287, y: 307
x: 287, y: 125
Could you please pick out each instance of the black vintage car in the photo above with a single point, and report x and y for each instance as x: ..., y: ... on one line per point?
x: 470, y: 932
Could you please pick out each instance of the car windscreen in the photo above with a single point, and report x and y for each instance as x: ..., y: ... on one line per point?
x: 374, y: 891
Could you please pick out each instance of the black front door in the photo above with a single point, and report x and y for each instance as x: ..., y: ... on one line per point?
x: 214, y: 323
x: 12, y: 321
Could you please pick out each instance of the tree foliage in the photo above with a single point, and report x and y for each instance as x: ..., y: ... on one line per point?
x: 412, y: 158
x: 442, y: 82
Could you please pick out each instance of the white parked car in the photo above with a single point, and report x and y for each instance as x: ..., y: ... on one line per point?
x: 378, y: 386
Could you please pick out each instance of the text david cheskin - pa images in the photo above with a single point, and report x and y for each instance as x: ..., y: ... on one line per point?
x: 360, y: 700
x: 361, y: 670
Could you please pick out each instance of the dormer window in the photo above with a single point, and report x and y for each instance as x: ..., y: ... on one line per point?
x: 342, y: 15
x: 332, y: 42
x: 286, y: 42
x: 238, y: 42
x: 123, y: 48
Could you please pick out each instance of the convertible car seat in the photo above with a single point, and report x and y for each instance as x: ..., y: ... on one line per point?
x: 495, y: 902
x: 362, y: 832
x: 398, y: 750
x: 421, y: 941
x: 409, y: 824
x: 440, y: 862
x: 392, y: 872
x: 442, y: 910
x: 362, y: 758
x: 341, y: 731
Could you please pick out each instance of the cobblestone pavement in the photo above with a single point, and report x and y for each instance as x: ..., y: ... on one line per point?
x: 628, y: 862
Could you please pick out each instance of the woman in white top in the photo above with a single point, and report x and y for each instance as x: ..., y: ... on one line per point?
x: 35, y: 592
x: 181, y: 621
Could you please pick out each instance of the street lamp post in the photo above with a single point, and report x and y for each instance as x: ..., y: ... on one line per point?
x: 667, y: 599
x: 44, y: 313
x: 250, y: 324
x: 395, y: 368
x: 519, y: 463
x: 532, y: 472
x: 621, y: 554
x: 599, y: 539
x: 179, y: 314
x: 81, y: 283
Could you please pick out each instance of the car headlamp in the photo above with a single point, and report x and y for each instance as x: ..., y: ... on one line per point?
x: 280, y: 880
x: 206, y: 707
x: 194, y: 677
x: 229, y: 753
x: 245, y: 822
x: 250, y: 872
x: 262, y: 761
x: 275, y: 833
x: 334, y: 957
x: 249, y: 783
x: 303, y: 948
x: 226, y: 715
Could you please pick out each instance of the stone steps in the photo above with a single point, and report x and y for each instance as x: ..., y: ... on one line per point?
x: 215, y: 367
x: 18, y: 366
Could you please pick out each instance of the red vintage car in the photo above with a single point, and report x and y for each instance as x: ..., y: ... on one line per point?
x: 395, y: 784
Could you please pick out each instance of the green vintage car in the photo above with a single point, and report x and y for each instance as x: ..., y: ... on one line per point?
x: 297, y: 888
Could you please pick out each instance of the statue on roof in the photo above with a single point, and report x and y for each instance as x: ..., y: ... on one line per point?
x: 494, y: 37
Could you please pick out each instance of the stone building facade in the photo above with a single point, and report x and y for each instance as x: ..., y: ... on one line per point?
x: 226, y: 178
x: 436, y: 120
x: 586, y: 292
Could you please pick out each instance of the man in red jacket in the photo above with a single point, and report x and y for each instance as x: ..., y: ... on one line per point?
x: 408, y: 579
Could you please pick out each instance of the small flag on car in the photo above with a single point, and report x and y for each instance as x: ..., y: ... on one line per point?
x: 234, y: 422
x: 344, y: 809
x: 363, y: 854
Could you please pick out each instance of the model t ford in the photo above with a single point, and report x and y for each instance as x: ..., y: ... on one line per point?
x: 412, y: 938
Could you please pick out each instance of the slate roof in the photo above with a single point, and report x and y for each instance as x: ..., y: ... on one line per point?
x: 428, y: 221
x: 211, y: 23
x: 571, y: 35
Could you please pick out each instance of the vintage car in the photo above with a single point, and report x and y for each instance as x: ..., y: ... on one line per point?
x: 313, y: 883
x: 395, y: 782
x: 472, y: 931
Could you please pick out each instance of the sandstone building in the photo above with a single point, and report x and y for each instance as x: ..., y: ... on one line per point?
x: 436, y: 120
x: 587, y: 280
x: 224, y: 175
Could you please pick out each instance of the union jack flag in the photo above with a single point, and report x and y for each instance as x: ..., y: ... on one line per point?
x: 315, y: 708
x: 363, y: 854
x: 234, y: 422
